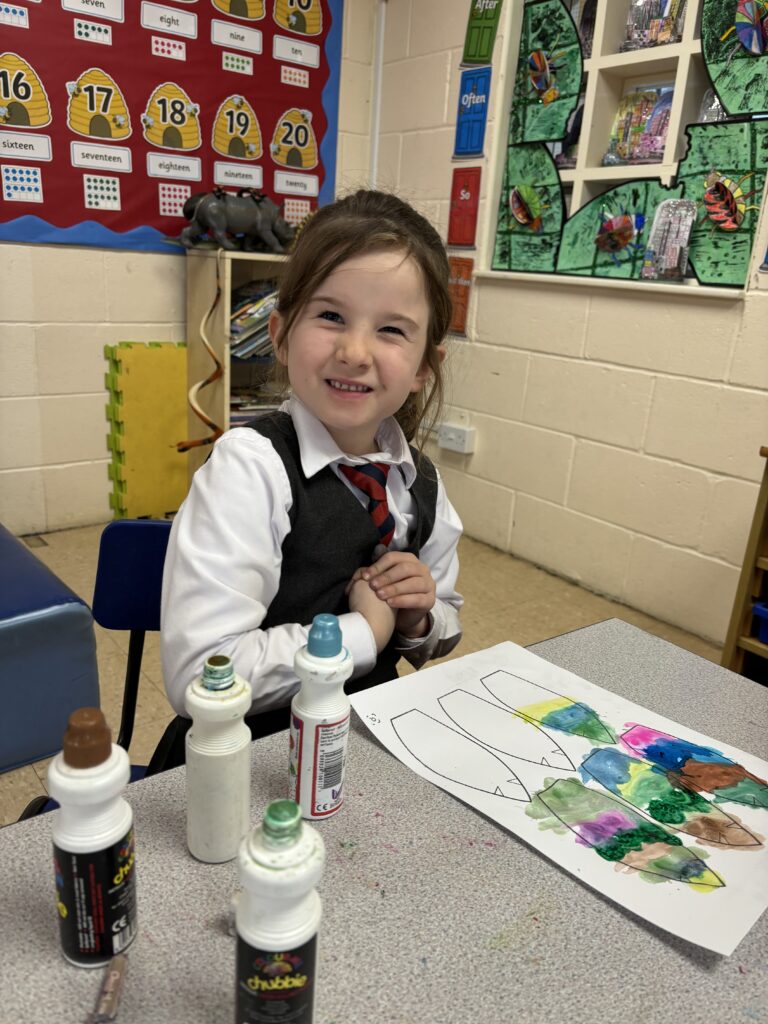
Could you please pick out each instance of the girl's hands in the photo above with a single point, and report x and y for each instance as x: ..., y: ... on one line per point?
x: 406, y: 585
x: 379, y: 616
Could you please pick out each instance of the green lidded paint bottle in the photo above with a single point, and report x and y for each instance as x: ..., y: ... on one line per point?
x: 277, y: 918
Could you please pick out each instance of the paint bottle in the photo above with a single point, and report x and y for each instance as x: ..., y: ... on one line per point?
x: 93, y: 846
x: 277, y: 918
x: 218, y: 753
x: 320, y: 721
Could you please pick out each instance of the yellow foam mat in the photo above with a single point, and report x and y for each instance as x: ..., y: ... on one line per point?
x: 147, y: 413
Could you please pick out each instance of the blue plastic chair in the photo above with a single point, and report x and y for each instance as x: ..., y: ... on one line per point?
x: 126, y: 596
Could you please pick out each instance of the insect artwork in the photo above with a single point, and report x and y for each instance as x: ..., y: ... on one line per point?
x: 725, y: 202
x: 619, y: 232
x: 526, y: 207
x: 542, y: 72
x: 751, y: 28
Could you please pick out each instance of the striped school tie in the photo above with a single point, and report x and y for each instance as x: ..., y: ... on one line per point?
x: 371, y: 479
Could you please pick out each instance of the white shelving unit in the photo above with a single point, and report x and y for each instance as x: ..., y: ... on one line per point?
x: 208, y: 270
x: 611, y: 75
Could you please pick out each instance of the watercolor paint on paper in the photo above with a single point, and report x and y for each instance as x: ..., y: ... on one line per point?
x: 703, y: 769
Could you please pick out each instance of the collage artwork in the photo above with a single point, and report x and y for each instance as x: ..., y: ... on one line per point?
x: 694, y: 173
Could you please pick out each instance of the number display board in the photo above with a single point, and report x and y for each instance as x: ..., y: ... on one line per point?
x: 114, y: 112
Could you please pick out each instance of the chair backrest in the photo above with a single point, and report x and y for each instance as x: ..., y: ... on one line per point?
x: 129, y: 580
x: 129, y: 576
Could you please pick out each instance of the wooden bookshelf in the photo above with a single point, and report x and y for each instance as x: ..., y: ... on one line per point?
x: 207, y: 271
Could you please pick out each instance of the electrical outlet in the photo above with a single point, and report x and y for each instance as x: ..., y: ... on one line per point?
x: 456, y: 438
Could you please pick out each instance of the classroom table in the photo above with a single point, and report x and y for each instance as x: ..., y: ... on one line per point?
x: 432, y: 913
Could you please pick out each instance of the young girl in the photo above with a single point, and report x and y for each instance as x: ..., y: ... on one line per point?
x: 279, y: 523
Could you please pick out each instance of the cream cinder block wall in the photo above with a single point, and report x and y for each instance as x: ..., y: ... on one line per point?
x: 59, y: 306
x: 617, y: 430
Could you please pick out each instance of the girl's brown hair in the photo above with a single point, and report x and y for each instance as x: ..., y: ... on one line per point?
x: 365, y: 222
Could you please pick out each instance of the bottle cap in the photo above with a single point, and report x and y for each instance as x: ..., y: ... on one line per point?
x: 324, y: 637
x: 218, y: 673
x: 282, y: 822
x: 87, y: 740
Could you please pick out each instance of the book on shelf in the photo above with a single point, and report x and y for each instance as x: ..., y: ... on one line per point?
x: 249, y: 327
x: 653, y: 23
x: 639, y: 129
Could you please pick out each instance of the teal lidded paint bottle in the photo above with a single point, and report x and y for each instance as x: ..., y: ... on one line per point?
x: 320, y: 721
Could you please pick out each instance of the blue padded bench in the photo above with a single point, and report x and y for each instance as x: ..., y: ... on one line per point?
x: 47, y: 656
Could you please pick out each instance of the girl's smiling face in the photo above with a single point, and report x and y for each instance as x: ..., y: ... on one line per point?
x: 356, y: 350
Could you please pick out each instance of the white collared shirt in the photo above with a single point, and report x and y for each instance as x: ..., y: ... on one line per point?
x: 222, y: 569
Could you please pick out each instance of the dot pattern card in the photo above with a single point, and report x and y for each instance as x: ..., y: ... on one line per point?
x: 172, y: 199
x: 237, y: 62
x: 10, y: 14
x: 102, y: 192
x: 175, y: 49
x: 294, y: 76
x: 22, y: 184
x: 92, y: 32
x: 295, y: 210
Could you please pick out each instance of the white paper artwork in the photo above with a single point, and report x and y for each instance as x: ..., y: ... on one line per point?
x: 665, y: 821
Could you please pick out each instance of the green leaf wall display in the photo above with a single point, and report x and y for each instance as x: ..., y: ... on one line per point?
x: 724, y: 171
x: 735, y: 48
x: 523, y: 244
x: 548, y: 77
x: 579, y: 253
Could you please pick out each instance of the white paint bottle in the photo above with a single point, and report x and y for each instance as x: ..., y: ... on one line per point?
x: 93, y: 845
x: 218, y: 754
x: 320, y: 721
x: 278, y: 918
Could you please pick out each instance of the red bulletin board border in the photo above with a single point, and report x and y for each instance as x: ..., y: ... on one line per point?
x: 114, y: 112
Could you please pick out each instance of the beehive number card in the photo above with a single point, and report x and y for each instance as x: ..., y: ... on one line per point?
x: 114, y: 112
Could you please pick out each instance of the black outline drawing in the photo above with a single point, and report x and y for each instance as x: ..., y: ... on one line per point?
x: 497, y: 791
x: 577, y: 703
x: 513, y: 723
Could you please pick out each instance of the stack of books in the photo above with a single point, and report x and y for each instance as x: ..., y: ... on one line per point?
x: 249, y: 325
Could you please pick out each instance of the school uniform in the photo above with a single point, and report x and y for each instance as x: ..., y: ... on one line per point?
x: 270, y: 534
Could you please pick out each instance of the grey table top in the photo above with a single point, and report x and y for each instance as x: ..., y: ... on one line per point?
x: 431, y: 912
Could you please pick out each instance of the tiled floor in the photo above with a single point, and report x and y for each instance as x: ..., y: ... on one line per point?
x: 506, y: 599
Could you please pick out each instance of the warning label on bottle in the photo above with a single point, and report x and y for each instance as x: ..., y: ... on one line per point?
x: 96, y: 899
x: 330, y: 750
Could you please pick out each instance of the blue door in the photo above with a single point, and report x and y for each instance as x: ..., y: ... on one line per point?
x: 473, y: 111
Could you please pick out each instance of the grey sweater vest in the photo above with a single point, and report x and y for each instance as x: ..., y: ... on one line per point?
x: 331, y: 536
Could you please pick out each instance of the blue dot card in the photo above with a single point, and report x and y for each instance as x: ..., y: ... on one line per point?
x: 22, y: 184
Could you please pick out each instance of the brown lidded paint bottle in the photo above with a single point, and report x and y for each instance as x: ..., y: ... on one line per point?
x: 93, y: 844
